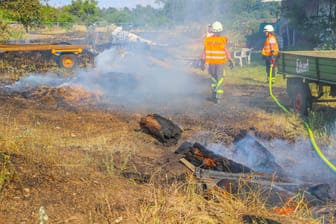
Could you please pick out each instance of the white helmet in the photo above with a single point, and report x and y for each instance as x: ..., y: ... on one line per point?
x: 217, y: 27
x: 268, y: 28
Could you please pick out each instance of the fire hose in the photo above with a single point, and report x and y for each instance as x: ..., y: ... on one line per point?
x: 306, y: 124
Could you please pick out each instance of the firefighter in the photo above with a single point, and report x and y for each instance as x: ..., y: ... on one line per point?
x: 208, y: 34
x: 209, y: 31
x: 270, y: 51
x: 216, y: 55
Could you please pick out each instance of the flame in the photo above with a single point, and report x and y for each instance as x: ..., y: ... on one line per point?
x: 206, y: 160
x: 284, y: 211
x: 289, y: 207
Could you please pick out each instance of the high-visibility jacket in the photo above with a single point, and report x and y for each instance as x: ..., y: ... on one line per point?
x: 271, y: 44
x: 214, y: 47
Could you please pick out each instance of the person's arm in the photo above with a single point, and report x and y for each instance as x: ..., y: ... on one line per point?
x: 202, y: 60
x: 203, y: 55
x: 273, y: 45
x: 228, y: 56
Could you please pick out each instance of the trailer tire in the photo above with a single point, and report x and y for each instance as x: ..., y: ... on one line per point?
x: 68, y: 61
x: 292, y: 84
x: 301, y: 98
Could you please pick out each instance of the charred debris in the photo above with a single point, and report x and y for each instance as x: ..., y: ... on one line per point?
x: 259, y: 173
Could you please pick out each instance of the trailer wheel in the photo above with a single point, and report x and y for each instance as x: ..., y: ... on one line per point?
x: 291, y: 86
x: 301, y: 99
x: 68, y: 61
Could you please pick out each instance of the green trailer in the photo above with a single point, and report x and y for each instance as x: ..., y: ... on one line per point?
x: 310, y: 76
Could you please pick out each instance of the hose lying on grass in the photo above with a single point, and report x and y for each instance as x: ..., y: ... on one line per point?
x: 306, y: 124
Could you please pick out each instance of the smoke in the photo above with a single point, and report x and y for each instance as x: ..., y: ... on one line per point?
x: 298, y: 159
x: 129, y: 76
x: 35, y: 80
x: 141, y: 73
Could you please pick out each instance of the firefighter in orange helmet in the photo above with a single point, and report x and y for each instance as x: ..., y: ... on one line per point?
x: 216, y: 55
x: 270, y: 51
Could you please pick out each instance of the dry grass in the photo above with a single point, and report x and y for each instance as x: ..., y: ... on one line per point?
x: 73, y: 162
x: 60, y: 155
x: 182, y: 204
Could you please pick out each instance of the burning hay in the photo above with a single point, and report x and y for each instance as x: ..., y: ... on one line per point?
x: 70, y: 94
x: 201, y: 157
x: 60, y: 96
x: 261, y: 176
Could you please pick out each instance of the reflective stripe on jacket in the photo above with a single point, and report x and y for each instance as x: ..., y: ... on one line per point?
x: 215, y: 49
x: 271, y: 44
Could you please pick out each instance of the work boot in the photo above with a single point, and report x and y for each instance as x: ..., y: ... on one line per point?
x: 218, y: 99
x: 213, y: 97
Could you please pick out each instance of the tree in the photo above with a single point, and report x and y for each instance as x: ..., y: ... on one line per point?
x: 84, y: 10
x: 25, y: 12
x: 4, y: 30
x: 314, y: 22
x: 48, y: 14
x: 113, y: 15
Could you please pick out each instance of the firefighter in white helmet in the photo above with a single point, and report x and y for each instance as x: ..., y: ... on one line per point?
x: 209, y: 31
x: 216, y: 55
x: 207, y: 34
x: 270, y: 51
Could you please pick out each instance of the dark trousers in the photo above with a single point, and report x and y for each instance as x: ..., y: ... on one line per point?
x: 216, y: 71
x: 217, y: 77
x: 268, y: 66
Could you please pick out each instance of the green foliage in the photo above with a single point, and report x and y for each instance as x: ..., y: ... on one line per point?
x: 64, y: 17
x: 48, y: 14
x: 83, y: 11
x: 25, y: 12
x: 239, y: 15
x: 117, y: 17
x: 315, y: 26
x: 4, y: 31
x: 241, y: 18
x: 7, y: 32
x: 32, y: 13
x: 295, y: 12
x: 321, y: 31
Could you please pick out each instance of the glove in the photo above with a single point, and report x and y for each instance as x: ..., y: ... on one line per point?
x: 231, y: 64
x: 272, y: 60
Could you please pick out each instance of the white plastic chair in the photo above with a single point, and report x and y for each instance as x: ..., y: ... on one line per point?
x: 243, y: 55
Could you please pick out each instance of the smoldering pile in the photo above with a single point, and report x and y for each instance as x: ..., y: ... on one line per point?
x: 255, y: 169
x: 251, y: 168
x: 52, y: 89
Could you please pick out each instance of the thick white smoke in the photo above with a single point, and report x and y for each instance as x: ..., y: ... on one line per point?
x: 298, y: 159
x: 130, y: 75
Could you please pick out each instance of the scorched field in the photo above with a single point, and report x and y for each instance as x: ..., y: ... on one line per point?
x: 92, y: 146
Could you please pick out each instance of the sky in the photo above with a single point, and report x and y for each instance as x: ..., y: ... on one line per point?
x: 109, y: 3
